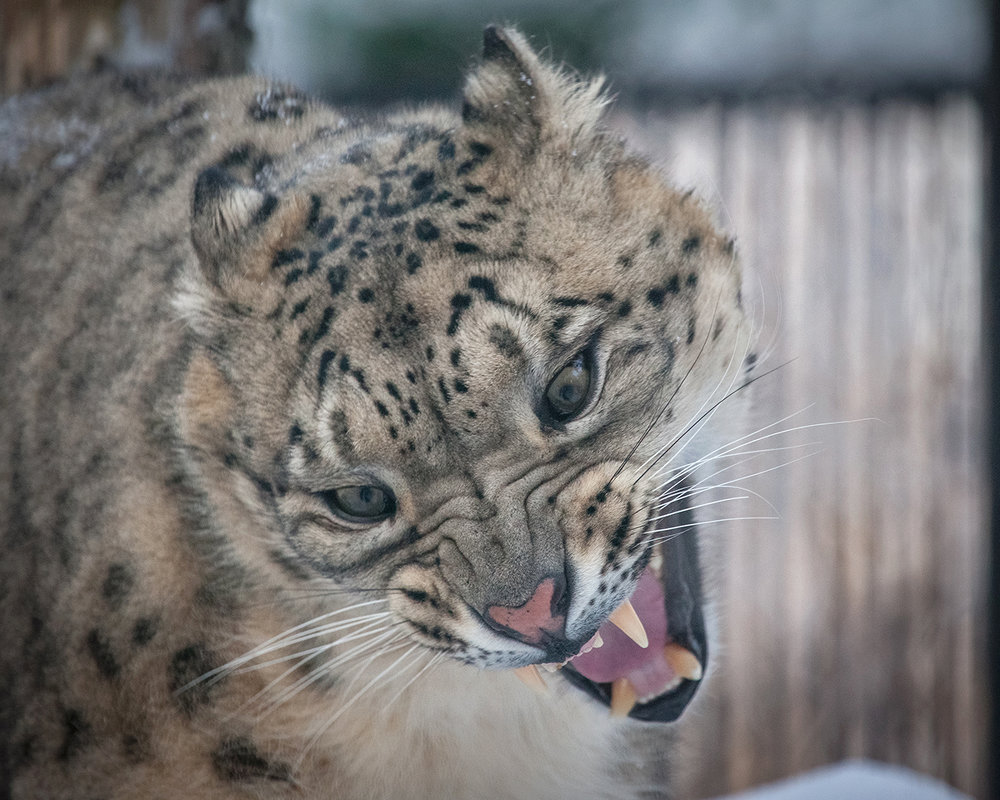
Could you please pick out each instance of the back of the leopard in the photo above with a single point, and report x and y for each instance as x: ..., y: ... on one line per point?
x: 307, y: 422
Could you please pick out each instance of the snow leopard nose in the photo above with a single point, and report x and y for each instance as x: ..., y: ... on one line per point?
x: 538, y: 619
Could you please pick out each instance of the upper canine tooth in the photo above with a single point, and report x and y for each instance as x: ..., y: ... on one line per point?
x: 531, y: 677
x: 682, y: 661
x: 623, y: 697
x: 625, y: 618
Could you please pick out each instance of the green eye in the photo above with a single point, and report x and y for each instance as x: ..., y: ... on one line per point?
x: 570, y: 389
x: 361, y: 503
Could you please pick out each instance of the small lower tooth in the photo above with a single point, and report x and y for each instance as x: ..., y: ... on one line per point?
x: 531, y: 677
x: 623, y: 697
x: 682, y: 661
x: 674, y: 683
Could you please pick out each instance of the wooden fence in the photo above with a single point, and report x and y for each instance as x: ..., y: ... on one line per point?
x: 852, y: 625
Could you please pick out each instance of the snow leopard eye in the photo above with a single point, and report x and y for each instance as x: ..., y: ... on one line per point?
x: 364, y: 503
x: 569, y: 390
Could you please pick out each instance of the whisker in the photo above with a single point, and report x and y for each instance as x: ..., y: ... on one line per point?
x: 329, y: 722
x: 681, y: 529
x: 435, y: 658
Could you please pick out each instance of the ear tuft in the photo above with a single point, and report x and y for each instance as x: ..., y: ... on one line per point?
x: 496, y: 44
x: 515, y: 99
x: 236, y: 230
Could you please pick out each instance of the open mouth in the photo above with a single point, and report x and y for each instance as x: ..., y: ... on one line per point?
x: 648, y: 665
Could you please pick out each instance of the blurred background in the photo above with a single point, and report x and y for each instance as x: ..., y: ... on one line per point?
x: 845, y: 144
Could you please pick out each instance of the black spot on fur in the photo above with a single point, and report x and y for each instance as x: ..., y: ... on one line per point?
x: 266, y: 210
x: 466, y: 247
x: 569, y: 302
x: 283, y: 257
x: 76, y: 733
x: 325, y: 226
x: 186, y: 666
x: 445, y: 394
x: 117, y: 584
x: 486, y: 287
x: 459, y: 303
x: 691, y: 244
x: 237, y: 760
x: 100, y: 651
x: 359, y: 376
x: 299, y: 308
x: 657, y: 295
x: 429, y: 352
x: 135, y: 749
x: 413, y: 263
x: 654, y: 237
x: 295, y: 434
x: 393, y: 390
x: 337, y: 278
x: 382, y: 410
x: 324, y: 323
x: 692, y: 280
x: 366, y: 295
x: 506, y: 341
x: 691, y: 329
x: 625, y: 308
x: 446, y: 150
x: 356, y: 154
x: 422, y: 180
x: 426, y: 230
x: 315, y: 203
x: 293, y: 276
x: 144, y: 630
x: 324, y: 365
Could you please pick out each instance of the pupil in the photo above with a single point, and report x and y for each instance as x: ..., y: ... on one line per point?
x: 568, y: 394
x: 365, y: 493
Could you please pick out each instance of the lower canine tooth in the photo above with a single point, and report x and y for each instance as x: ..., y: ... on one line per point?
x: 622, y: 697
x: 598, y: 641
x: 530, y: 676
x: 625, y: 618
x: 682, y: 661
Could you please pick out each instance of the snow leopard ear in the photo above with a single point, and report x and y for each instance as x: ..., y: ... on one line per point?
x: 514, y: 98
x: 237, y: 231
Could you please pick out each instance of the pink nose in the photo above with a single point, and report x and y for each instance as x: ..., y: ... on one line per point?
x: 536, y: 617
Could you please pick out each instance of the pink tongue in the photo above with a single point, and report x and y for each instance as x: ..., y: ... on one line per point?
x: 620, y: 657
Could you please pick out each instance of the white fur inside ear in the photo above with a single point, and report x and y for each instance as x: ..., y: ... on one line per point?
x: 235, y: 211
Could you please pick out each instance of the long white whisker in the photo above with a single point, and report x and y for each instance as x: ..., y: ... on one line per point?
x: 326, y: 725
x: 435, y: 658
x: 384, y: 641
x: 680, y: 529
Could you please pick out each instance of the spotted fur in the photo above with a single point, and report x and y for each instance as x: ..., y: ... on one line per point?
x: 222, y: 301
